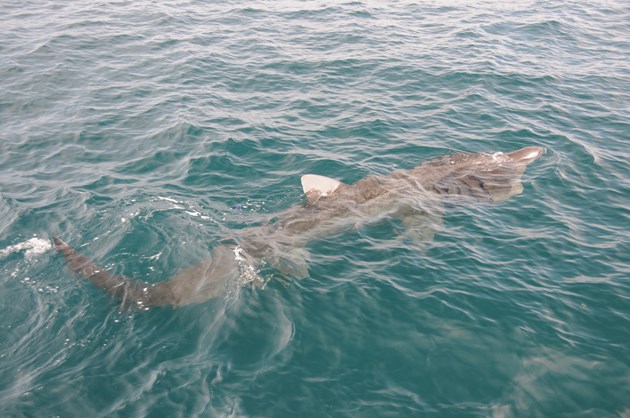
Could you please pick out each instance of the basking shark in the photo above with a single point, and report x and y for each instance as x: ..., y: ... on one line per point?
x: 414, y: 197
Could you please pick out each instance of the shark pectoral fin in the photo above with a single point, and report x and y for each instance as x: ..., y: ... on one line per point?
x: 292, y: 263
x: 315, y: 186
x: 420, y: 227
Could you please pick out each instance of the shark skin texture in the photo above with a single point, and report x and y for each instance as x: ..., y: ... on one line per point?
x: 414, y: 197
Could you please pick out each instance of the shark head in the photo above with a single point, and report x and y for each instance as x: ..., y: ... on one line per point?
x: 526, y: 155
x: 506, y: 177
x: 486, y: 176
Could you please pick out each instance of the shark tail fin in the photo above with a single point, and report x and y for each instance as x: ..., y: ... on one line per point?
x: 205, y: 280
x: 130, y: 292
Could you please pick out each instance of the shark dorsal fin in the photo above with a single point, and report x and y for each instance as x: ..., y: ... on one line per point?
x: 323, y: 186
x: 315, y: 186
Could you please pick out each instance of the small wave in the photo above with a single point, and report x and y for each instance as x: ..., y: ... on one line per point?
x: 33, y: 247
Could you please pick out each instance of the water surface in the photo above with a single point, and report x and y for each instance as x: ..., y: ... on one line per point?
x: 143, y: 132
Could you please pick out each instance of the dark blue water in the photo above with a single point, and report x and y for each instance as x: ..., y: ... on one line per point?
x: 143, y: 132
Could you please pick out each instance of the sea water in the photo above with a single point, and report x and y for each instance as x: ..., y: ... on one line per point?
x: 144, y: 132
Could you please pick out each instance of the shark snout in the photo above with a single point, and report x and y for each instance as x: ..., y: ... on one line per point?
x: 526, y: 155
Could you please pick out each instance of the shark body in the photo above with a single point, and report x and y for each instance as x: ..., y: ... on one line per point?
x: 413, y: 196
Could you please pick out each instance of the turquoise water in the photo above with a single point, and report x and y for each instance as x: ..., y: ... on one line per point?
x: 143, y: 132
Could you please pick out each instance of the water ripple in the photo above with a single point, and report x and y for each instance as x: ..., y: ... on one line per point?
x: 146, y: 133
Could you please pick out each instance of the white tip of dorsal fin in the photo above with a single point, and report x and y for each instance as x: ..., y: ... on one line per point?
x: 323, y: 185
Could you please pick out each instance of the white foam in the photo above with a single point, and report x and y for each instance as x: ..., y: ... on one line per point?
x: 249, y: 274
x: 168, y: 199
x: 33, y: 246
x: 156, y: 256
x: 238, y: 251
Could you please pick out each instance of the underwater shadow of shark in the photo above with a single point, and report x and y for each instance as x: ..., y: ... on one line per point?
x: 412, y: 196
